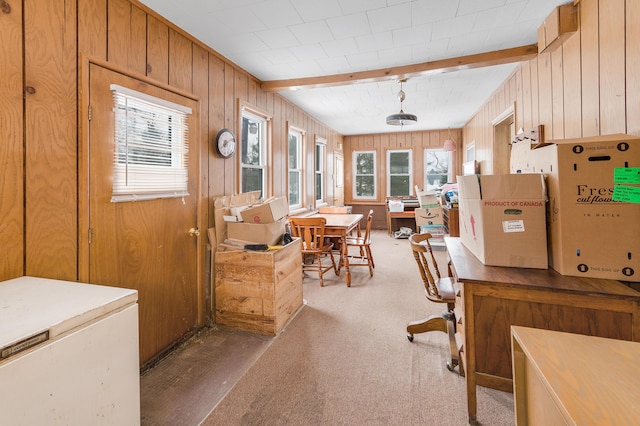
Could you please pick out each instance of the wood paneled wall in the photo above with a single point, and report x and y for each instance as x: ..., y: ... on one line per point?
x: 589, y: 86
x: 11, y: 139
x: 39, y: 233
x: 383, y: 142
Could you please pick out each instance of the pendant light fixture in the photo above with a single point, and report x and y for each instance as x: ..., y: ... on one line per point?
x: 449, y: 144
x: 402, y: 117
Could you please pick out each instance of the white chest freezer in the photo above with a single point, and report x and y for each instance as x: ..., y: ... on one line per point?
x: 68, y: 354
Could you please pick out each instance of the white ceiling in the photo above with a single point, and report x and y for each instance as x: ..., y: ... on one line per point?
x: 288, y: 39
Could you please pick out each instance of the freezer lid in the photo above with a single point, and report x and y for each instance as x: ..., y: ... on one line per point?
x: 34, y: 307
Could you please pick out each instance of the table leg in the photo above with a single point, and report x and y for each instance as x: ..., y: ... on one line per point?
x: 345, y: 257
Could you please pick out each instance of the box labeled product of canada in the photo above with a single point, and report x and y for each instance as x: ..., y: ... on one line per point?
x: 502, y: 219
x: 591, y: 234
x: 269, y: 211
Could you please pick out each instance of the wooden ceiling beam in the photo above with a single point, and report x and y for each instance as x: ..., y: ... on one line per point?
x: 497, y: 57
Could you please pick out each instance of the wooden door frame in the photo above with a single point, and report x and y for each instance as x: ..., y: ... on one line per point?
x: 498, y: 132
x: 84, y: 64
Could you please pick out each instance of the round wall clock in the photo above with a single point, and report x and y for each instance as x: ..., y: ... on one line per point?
x: 225, y: 143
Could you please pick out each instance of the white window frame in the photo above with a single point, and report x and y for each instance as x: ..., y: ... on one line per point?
x: 355, y: 155
x: 441, y: 155
x: 297, y: 168
x: 263, y: 162
x: 409, y: 174
x: 151, y: 147
x: 320, y: 162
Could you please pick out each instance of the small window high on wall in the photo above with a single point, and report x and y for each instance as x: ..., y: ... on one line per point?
x: 438, y: 168
x: 151, y: 147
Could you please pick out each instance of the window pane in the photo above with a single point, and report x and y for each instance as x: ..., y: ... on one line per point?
x: 399, y: 185
x: 399, y: 162
x: 365, y: 186
x: 252, y: 180
x: 319, y: 195
x: 294, y: 188
x: 293, y: 152
x: 364, y: 164
x: 251, y: 131
x: 436, y: 168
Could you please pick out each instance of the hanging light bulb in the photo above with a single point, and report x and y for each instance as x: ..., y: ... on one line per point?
x: 402, y: 117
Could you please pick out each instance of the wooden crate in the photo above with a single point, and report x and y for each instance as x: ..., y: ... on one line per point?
x: 258, y: 291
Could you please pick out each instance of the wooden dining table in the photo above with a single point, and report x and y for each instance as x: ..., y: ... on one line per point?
x: 340, y: 225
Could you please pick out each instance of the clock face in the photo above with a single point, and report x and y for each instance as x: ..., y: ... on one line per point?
x: 226, y: 143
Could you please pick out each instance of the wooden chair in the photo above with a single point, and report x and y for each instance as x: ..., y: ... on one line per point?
x: 363, y: 243
x: 439, y: 290
x: 314, y: 244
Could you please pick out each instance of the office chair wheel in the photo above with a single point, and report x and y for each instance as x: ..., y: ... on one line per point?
x: 410, y: 337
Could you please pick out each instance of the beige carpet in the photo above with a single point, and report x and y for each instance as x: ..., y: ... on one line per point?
x: 345, y: 359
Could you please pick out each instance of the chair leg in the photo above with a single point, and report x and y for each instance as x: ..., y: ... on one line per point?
x: 369, y: 260
x: 319, y: 260
x: 431, y: 323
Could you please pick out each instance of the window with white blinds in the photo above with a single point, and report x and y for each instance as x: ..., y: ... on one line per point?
x: 151, y: 147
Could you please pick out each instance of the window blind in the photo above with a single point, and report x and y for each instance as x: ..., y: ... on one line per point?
x: 151, y: 147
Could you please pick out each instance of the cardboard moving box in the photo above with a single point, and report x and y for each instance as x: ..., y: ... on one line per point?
x: 428, y: 216
x: 258, y: 233
x: 590, y: 234
x: 502, y: 219
x: 269, y: 211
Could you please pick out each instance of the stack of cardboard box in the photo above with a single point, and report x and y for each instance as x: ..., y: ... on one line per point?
x: 429, y: 216
x: 592, y: 208
x: 262, y: 223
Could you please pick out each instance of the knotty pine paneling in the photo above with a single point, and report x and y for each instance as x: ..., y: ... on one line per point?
x: 180, y: 61
x: 571, y: 83
x: 588, y: 87
x: 157, y: 50
x: 589, y: 52
x: 92, y: 28
x: 137, y: 51
x: 612, y: 66
x: 50, y: 139
x: 525, y: 103
x: 545, y: 92
x: 11, y: 153
x: 200, y: 135
x: 119, y: 32
x: 218, y: 175
x: 633, y: 66
x: 557, y: 90
x: 535, y: 97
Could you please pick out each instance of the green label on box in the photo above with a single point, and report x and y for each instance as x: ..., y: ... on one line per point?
x: 626, y: 193
x: 626, y: 175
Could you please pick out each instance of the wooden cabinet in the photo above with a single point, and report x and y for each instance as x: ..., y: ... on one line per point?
x: 450, y: 221
x: 258, y: 291
x: 490, y: 299
x: 572, y: 379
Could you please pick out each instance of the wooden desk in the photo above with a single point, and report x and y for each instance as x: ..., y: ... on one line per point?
x: 490, y: 299
x: 571, y: 379
x: 340, y: 225
x: 407, y: 214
